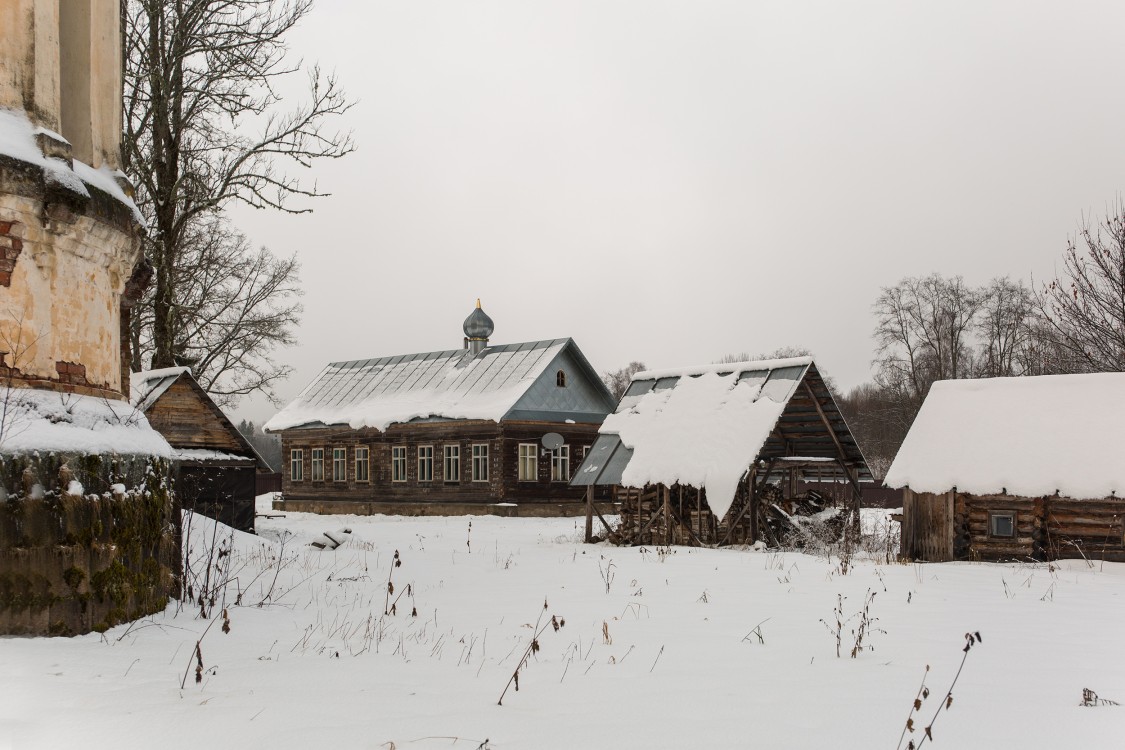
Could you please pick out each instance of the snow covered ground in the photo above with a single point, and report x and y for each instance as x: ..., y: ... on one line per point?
x: 318, y: 664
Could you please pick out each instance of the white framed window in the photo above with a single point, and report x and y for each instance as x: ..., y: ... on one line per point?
x: 339, y: 464
x: 398, y: 463
x: 528, y: 462
x: 560, y: 464
x: 452, y: 463
x: 296, y: 465
x: 317, y: 465
x: 362, y: 464
x: 425, y: 463
x: 480, y: 462
x: 1002, y: 524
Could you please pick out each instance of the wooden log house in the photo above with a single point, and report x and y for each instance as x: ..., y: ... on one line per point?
x: 463, y: 431
x: 713, y: 455
x: 1028, y: 468
x: 214, y: 466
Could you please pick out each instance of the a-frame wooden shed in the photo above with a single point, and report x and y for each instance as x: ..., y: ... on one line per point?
x: 215, y: 465
x: 704, y: 455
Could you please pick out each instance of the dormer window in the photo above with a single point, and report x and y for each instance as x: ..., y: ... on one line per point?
x: 560, y: 379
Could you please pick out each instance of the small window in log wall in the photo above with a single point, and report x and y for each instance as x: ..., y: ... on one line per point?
x: 362, y: 464
x: 560, y: 464
x: 480, y: 462
x: 528, y: 462
x: 296, y: 466
x: 339, y: 464
x: 318, y: 464
x: 398, y: 463
x: 1002, y: 524
x: 452, y: 467
x: 425, y: 463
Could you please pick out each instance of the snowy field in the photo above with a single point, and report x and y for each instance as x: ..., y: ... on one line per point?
x: 687, y: 649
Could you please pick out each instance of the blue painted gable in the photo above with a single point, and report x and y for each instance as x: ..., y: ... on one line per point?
x: 583, y: 399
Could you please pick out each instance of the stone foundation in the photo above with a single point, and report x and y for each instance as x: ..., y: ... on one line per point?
x: 391, y: 508
x: 72, y: 559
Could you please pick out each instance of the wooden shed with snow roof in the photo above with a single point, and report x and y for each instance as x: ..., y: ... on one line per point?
x: 1015, y: 468
x: 481, y: 429
x: 714, y: 454
x: 215, y: 466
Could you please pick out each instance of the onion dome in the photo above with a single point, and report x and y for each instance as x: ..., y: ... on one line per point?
x: 478, y: 326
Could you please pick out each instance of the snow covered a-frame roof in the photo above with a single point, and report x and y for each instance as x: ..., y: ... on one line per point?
x: 454, y: 384
x: 147, y: 386
x: 704, y: 427
x: 1030, y: 436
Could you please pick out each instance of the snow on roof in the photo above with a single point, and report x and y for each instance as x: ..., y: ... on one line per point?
x: 17, y: 140
x: 1029, y: 436
x: 147, y: 386
x: 702, y: 426
x: 453, y: 384
x: 39, y: 420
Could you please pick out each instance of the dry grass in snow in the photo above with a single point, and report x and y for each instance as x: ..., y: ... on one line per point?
x: 648, y: 648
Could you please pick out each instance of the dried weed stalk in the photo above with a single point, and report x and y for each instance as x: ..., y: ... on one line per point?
x: 924, y: 693
x: 540, y: 627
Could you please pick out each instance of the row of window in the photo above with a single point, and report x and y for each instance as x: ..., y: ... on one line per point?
x: 528, y: 464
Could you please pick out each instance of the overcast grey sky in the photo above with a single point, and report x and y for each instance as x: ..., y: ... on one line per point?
x: 674, y: 181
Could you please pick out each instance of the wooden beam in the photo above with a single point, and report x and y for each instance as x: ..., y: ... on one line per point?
x: 827, y: 423
x: 589, y: 513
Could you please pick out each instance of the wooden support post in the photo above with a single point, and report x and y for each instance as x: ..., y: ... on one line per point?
x: 699, y: 512
x: 752, y: 501
x: 667, y: 516
x: 589, y: 513
x: 681, y: 513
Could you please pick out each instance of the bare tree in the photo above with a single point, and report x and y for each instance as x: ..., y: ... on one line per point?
x: 1084, y: 306
x: 205, y: 124
x: 1006, y: 326
x: 233, y: 307
x: 923, y: 329
x: 618, y: 381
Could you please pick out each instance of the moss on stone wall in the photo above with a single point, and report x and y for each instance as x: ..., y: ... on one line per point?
x: 71, y: 563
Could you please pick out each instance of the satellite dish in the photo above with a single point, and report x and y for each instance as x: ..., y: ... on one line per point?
x: 552, y: 441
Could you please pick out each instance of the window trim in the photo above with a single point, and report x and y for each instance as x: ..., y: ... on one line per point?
x: 996, y: 514
x: 561, y: 454
x: 428, y: 461
x: 520, y: 457
x: 399, y: 460
x: 366, y: 463
x: 560, y: 379
x: 480, y: 459
x: 296, y: 464
x: 315, y: 463
x: 455, y: 457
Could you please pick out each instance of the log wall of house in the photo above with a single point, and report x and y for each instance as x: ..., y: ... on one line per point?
x: 958, y: 526
x: 503, y: 484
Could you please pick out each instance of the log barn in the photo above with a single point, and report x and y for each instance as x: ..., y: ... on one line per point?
x: 1028, y: 468
x: 214, y: 466
x: 477, y: 430
x: 716, y: 454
